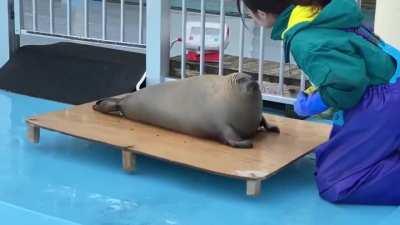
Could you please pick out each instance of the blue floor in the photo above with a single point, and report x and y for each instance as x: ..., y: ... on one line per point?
x: 64, y: 180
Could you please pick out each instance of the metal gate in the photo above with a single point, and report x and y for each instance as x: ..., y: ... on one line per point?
x: 280, y: 97
x: 54, y: 19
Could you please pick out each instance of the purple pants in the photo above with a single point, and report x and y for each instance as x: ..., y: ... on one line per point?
x: 360, y: 164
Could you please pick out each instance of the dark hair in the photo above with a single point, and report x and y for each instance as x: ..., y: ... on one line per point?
x: 278, y: 6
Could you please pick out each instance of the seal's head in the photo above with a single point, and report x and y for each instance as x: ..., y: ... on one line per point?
x: 245, y: 84
x: 107, y: 105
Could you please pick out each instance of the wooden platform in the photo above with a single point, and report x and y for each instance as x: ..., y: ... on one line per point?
x: 271, y: 152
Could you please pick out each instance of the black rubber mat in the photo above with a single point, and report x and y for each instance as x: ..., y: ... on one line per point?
x: 71, y: 73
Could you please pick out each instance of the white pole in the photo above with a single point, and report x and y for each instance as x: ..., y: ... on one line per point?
x: 222, y: 38
x: 261, y: 57
x: 183, y: 50
x: 203, y: 35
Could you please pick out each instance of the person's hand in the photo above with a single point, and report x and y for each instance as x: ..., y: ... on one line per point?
x: 309, y: 105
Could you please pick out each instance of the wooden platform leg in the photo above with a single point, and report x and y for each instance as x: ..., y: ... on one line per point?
x: 253, y: 187
x: 33, y: 133
x: 128, y: 161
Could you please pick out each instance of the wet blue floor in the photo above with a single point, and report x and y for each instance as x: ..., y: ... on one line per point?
x: 64, y: 180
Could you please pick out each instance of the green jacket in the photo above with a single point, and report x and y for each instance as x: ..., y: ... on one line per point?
x: 341, y: 64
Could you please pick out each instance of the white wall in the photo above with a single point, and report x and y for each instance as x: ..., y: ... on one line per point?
x: 387, y: 21
x: 4, y: 42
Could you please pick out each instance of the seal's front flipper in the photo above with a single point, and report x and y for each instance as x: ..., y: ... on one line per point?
x: 264, y: 126
x: 231, y: 138
x: 240, y: 144
x: 107, y: 105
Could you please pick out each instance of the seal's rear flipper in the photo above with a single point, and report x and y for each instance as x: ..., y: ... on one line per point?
x: 231, y: 138
x: 107, y: 105
x: 264, y: 126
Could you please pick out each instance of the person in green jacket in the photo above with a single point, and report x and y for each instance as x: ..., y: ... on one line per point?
x: 355, y: 73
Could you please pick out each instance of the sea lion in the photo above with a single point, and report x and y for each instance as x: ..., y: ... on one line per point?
x: 224, y: 108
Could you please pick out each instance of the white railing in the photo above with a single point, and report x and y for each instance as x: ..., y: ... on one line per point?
x: 281, y: 72
x: 85, y: 36
x: 276, y: 97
